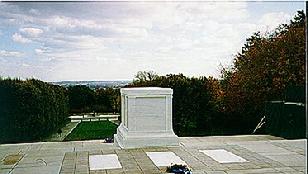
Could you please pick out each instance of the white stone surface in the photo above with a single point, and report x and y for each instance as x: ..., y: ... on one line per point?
x: 102, y: 162
x: 165, y: 158
x: 223, y: 156
x: 146, y: 115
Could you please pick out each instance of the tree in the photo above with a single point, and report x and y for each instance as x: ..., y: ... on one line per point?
x: 266, y: 67
x: 143, y: 76
x: 81, y: 98
x: 108, y: 100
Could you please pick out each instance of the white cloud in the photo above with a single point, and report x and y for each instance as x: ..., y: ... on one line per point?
x: 19, y: 38
x: 31, y: 32
x: 99, y: 28
x: 5, y: 53
x: 42, y: 50
x: 69, y: 22
x: 184, y: 35
x: 25, y: 65
x: 39, y: 51
x: 34, y: 11
x: 270, y: 21
x: 168, y: 37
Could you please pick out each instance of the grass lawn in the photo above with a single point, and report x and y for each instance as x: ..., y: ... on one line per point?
x: 92, y: 130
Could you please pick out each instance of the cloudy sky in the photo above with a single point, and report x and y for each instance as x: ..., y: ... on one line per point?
x: 114, y: 40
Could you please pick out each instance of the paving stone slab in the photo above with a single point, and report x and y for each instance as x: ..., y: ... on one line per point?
x: 5, y: 171
x: 254, y: 171
x: 215, y: 172
x: 101, y: 162
x: 165, y: 158
x: 223, y: 156
x: 36, y: 170
x: 289, y: 160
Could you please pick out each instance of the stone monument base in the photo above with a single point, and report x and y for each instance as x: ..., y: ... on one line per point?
x: 125, y: 139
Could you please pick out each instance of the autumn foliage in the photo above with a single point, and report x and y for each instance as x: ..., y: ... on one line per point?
x: 268, y: 65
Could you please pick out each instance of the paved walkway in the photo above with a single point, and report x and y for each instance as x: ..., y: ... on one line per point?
x: 265, y: 154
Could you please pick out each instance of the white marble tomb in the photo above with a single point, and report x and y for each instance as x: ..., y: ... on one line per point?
x: 146, y: 115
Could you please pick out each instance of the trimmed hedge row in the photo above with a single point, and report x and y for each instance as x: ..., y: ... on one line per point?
x: 31, y: 110
x: 285, y: 119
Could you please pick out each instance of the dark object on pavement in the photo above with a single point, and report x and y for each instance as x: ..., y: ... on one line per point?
x: 108, y: 140
x: 178, y: 169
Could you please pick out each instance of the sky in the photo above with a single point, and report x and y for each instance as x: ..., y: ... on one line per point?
x: 56, y: 41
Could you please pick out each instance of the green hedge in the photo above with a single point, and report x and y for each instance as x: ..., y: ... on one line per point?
x: 285, y: 119
x: 31, y: 110
x: 295, y: 94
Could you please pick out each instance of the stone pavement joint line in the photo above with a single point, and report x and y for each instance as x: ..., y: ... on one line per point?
x: 264, y: 154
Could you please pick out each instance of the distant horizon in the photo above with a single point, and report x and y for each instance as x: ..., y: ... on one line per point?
x: 61, y: 41
x: 108, y: 80
x: 91, y: 80
x: 97, y: 80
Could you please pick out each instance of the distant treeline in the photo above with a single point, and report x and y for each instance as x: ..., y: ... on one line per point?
x: 93, y: 84
x: 83, y: 99
x: 31, y: 110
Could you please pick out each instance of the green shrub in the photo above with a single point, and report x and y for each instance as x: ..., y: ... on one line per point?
x: 31, y: 110
x: 285, y: 119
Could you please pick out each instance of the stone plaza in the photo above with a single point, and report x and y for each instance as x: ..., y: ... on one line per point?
x: 263, y: 154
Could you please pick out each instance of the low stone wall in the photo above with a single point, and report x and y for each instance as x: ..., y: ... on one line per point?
x: 79, y: 118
